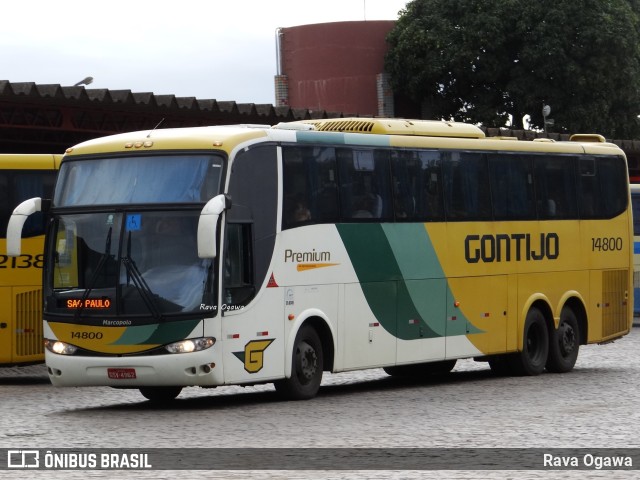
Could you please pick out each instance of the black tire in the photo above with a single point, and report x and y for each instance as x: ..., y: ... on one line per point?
x: 421, y: 369
x: 535, y: 351
x: 160, y: 394
x: 306, y: 367
x: 564, y: 343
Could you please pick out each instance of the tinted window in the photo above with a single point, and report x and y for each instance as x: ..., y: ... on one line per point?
x: 602, y: 186
x: 331, y: 184
x: 253, y: 188
x: 365, y: 190
x: 466, y: 186
x: 310, y: 186
x: 635, y: 205
x: 555, y: 187
x: 17, y: 186
x: 417, y: 185
x: 511, y: 182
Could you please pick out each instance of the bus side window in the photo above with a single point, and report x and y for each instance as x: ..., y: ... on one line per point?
x: 602, y: 187
x: 417, y: 185
x: 465, y: 180
x: 253, y: 188
x: 635, y: 207
x: 554, y: 179
x: 310, y: 191
x: 6, y: 204
x: 365, y: 189
x: 511, y: 183
x: 22, y: 185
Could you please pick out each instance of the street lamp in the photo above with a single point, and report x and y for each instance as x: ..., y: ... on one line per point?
x: 84, y: 81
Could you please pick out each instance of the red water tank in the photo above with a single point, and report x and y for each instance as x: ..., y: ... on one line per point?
x: 333, y: 66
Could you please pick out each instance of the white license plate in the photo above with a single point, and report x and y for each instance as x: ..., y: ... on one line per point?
x: 121, y: 373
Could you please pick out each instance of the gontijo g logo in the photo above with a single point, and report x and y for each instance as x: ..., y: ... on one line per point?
x: 253, y: 355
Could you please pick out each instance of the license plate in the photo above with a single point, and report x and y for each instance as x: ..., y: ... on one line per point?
x: 121, y: 373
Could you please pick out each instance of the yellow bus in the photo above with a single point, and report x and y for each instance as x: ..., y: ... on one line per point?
x: 240, y: 255
x: 635, y: 207
x: 22, y: 177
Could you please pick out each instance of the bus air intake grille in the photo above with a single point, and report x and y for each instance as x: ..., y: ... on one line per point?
x: 29, y: 324
x: 615, y: 311
x: 353, y: 126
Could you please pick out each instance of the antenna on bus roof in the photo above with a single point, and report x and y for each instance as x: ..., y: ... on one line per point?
x: 159, y: 123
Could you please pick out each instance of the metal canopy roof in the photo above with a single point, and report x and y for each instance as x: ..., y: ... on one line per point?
x: 49, y: 118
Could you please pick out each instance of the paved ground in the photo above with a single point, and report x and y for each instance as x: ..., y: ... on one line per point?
x: 595, y: 406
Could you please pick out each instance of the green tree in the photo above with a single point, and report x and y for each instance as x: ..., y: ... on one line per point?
x: 485, y: 61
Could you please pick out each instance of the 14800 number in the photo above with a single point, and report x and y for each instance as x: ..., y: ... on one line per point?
x: 606, y: 244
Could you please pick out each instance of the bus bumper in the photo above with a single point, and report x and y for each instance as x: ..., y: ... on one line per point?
x: 183, y: 369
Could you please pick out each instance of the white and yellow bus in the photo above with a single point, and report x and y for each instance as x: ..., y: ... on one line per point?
x: 635, y: 207
x: 23, y: 176
x: 246, y: 254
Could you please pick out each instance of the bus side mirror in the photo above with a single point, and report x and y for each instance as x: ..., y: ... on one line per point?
x: 208, y: 224
x: 16, y: 222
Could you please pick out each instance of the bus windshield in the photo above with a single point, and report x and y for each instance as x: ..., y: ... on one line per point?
x: 138, y: 256
x: 128, y: 263
x: 138, y: 180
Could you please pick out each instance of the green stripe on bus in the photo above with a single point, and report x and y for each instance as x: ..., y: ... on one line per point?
x: 157, y: 334
x: 399, y: 261
x: 381, y: 280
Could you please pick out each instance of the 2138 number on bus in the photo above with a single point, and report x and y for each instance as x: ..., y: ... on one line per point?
x: 23, y: 261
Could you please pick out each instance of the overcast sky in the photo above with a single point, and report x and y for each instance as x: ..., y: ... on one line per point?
x: 208, y: 49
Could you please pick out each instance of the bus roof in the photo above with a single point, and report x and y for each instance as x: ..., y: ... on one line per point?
x: 374, y: 132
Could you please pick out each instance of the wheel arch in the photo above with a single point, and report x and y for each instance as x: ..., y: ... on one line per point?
x: 540, y: 302
x: 320, y: 322
x: 576, y: 304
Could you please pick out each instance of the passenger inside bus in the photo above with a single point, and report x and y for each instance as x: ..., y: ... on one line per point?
x: 367, y: 206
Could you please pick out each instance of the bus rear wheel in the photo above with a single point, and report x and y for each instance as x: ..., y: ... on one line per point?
x: 535, y: 350
x: 160, y: 394
x: 306, y: 367
x: 564, y: 343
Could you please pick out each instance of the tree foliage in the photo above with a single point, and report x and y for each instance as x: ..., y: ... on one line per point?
x: 484, y: 61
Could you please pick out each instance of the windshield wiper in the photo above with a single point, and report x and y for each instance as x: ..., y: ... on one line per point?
x: 133, y: 273
x: 94, y: 276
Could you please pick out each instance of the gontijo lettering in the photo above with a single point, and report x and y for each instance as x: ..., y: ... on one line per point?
x: 514, y: 247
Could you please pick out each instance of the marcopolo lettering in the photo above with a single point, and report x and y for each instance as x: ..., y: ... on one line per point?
x: 511, y: 247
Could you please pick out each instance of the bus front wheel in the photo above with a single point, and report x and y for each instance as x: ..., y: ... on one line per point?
x: 564, y: 343
x: 306, y: 367
x: 535, y: 350
x: 160, y: 394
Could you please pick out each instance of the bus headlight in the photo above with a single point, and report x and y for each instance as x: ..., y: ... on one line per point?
x: 190, y: 345
x: 59, y: 347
